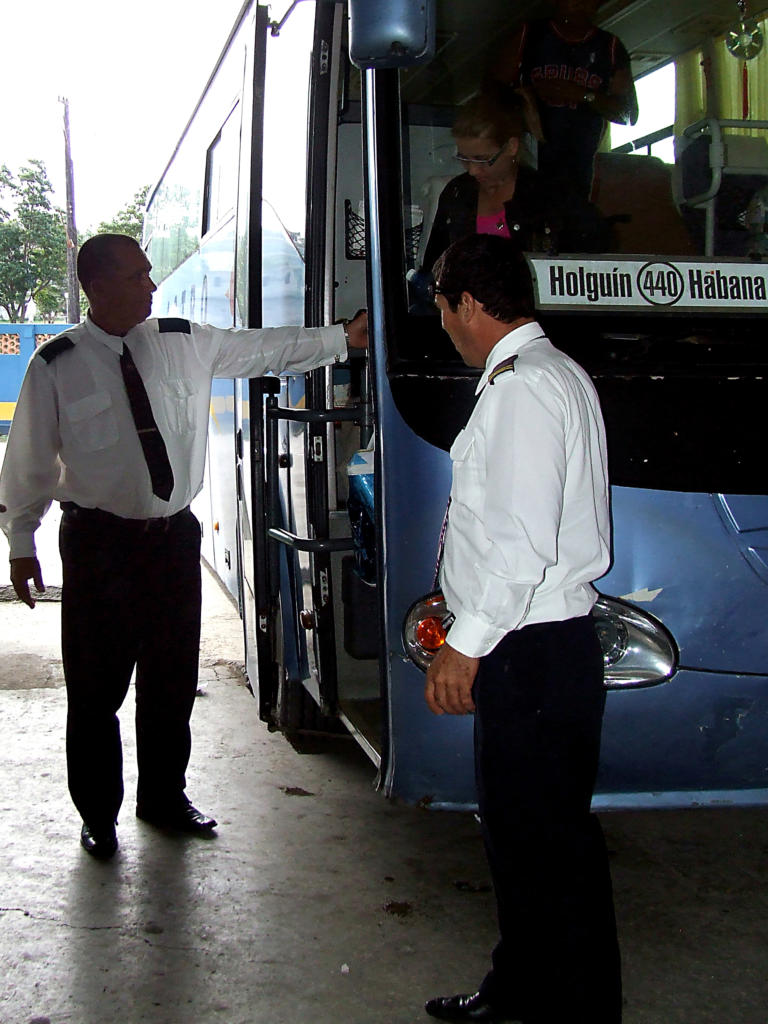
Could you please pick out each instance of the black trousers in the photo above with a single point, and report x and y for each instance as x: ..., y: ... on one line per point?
x: 539, y: 698
x: 130, y: 599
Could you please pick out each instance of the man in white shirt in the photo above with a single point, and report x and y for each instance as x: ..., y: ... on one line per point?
x: 112, y: 422
x: 527, y: 532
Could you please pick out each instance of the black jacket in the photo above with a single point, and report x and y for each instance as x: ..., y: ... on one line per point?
x: 538, y: 222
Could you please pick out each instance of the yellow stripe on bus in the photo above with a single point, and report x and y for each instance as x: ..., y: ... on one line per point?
x: 7, y: 409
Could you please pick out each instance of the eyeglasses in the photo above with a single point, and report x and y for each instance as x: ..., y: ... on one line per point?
x: 480, y: 161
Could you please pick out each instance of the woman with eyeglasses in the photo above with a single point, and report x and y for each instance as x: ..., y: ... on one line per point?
x: 499, y: 193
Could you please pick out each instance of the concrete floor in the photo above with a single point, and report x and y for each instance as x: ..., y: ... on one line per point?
x: 318, y: 900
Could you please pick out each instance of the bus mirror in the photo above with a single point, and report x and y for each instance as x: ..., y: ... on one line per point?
x: 391, y: 34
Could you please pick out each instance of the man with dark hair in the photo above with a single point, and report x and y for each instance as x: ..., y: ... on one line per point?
x: 112, y: 422
x: 527, y: 533
x: 503, y: 286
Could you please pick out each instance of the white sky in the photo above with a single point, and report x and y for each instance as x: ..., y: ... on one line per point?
x: 132, y: 73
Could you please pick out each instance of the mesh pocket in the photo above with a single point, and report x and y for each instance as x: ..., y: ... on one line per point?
x: 354, y: 236
x: 354, y: 233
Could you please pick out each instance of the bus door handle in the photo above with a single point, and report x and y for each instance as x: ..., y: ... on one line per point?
x: 279, y: 412
x: 315, y: 545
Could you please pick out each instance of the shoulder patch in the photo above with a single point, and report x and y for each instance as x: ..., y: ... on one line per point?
x: 55, y: 347
x: 173, y: 325
x: 503, y: 367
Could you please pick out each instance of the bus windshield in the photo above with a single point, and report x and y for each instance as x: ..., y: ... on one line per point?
x: 692, y: 186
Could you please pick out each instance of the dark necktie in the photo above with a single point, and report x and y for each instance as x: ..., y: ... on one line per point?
x: 151, y: 439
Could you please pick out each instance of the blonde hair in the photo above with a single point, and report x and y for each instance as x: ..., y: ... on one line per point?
x: 484, y: 117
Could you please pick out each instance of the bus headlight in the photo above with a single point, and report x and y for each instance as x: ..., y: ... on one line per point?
x: 425, y: 628
x: 637, y: 649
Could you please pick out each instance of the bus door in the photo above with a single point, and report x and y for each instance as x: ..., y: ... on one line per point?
x: 291, y: 634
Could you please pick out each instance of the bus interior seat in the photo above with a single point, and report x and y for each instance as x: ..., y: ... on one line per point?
x: 635, y: 194
x: 717, y: 175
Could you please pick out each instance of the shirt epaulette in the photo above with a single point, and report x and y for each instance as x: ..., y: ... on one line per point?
x: 503, y: 367
x: 54, y: 348
x: 173, y: 325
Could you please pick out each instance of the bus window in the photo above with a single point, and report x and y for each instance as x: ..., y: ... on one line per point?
x: 284, y: 169
x: 680, y: 181
x: 221, y: 163
x: 175, y: 215
x: 653, y: 133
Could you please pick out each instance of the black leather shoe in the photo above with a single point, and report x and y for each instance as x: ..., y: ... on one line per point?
x: 466, y: 1008
x: 99, y: 842
x: 183, y: 819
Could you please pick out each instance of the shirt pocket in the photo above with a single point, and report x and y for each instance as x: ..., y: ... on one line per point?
x: 179, y: 401
x: 462, y: 446
x: 466, y: 468
x: 92, y: 422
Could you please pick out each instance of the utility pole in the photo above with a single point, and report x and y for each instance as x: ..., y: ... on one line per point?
x: 73, y: 288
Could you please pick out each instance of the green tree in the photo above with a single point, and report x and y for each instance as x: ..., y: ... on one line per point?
x: 51, y: 304
x: 130, y: 220
x: 33, y: 243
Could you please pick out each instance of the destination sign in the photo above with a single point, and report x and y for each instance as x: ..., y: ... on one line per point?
x: 653, y: 285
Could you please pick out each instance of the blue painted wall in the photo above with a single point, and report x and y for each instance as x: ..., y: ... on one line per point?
x: 12, y: 366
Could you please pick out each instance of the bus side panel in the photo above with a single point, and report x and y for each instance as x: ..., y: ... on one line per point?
x: 202, y: 288
x: 217, y: 260
x: 704, y: 730
x: 701, y: 737
x: 675, y: 555
x: 701, y: 733
x: 222, y: 484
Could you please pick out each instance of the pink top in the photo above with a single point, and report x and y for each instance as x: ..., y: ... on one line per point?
x: 495, y: 224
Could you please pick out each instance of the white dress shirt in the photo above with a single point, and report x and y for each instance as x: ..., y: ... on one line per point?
x: 73, y: 437
x: 528, y: 526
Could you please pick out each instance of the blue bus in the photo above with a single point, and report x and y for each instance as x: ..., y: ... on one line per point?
x: 303, y: 189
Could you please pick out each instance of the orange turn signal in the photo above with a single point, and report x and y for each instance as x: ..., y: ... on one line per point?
x: 425, y: 628
x: 431, y: 633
